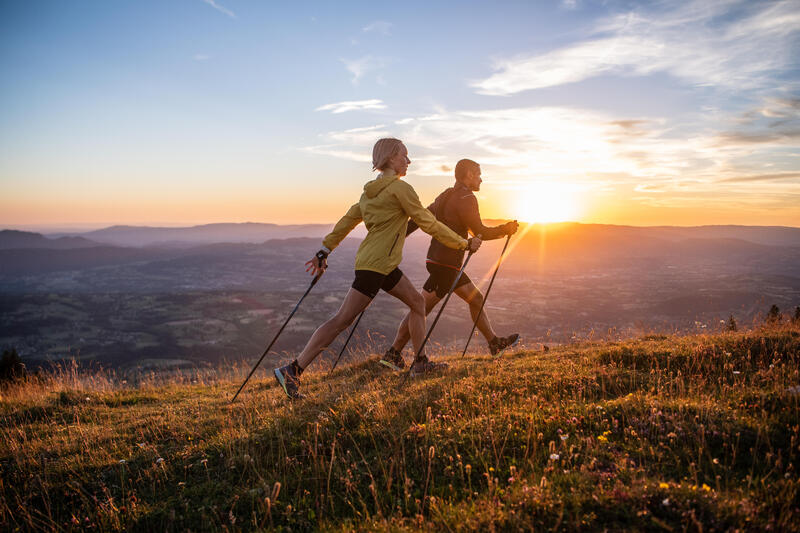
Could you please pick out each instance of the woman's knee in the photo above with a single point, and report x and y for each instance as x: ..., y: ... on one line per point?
x: 416, y: 304
x: 337, y: 322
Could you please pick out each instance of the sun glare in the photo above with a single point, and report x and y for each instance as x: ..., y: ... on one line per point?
x: 546, y: 202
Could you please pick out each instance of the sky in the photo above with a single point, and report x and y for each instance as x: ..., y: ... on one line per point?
x: 201, y: 111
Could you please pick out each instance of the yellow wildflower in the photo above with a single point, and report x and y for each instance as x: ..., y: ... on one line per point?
x: 663, y: 485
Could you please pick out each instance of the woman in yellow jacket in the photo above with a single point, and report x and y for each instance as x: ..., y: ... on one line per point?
x: 385, y: 207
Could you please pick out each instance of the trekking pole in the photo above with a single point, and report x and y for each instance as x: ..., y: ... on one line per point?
x: 486, y: 296
x: 313, y: 282
x: 439, y: 314
x: 345, y: 342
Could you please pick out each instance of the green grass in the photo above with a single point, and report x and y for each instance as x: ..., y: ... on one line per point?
x: 660, y: 433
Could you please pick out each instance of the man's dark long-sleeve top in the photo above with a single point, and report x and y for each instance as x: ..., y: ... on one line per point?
x: 457, y: 208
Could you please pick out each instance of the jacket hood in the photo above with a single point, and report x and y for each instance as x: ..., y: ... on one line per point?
x: 374, y: 187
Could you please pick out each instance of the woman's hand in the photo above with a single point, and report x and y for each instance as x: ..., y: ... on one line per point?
x: 318, y: 263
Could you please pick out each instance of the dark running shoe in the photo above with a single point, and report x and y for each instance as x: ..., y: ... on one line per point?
x: 498, y: 345
x: 424, y: 366
x: 393, y: 359
x: 290, y: 381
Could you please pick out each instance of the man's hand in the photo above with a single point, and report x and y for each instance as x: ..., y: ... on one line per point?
x: 318, y: 263
x: 474, y: 243
x: 511, y: 227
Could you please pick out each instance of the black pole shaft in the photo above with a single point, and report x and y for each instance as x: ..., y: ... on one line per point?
x: 439, y: 314
x: 313, y: 282
x: 486, y: 296
x: 352, y: 330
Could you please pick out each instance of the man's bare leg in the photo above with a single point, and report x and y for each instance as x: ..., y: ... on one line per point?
x: 401, y: 339
x: 354, y: 303
x: 414, y: 321
x: 470, y: 294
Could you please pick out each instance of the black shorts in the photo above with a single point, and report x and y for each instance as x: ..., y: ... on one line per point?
x: 369, y: 283
x: 441, y: 279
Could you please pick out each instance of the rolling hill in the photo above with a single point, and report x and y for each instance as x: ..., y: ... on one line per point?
x: 657, y: 433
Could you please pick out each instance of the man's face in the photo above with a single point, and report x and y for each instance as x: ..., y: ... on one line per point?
x: 473, y: 179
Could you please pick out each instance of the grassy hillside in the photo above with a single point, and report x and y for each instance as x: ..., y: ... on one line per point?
x: 657, y: 433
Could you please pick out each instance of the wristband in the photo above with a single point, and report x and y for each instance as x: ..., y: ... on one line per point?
x: 321, y: 256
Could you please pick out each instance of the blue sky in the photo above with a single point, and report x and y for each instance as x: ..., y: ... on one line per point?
x: 199, y: 111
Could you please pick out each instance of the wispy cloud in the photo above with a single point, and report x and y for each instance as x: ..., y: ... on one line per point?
x: 775, y: 121
x: 378, y: 26
x: 220, y: 8
x: 347, y: 144
x: 780, y: 176
x: 359, y: 105
x: 359, y: 67
x: 704, y: 43
x: 591, y: 149
x: 201, y: 57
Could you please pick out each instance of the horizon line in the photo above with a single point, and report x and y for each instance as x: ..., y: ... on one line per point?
x: 89, y: 227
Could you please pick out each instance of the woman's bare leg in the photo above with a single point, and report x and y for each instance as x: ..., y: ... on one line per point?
x: 406, y: 293
x: 353, y: 304
x: 401, y: 339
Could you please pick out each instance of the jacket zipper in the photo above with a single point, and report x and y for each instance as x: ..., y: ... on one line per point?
x: 395, y: 242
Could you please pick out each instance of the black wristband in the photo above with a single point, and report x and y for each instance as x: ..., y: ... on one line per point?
x: 322, y: 255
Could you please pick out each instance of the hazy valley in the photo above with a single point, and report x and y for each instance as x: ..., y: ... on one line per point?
x: 179, y: 302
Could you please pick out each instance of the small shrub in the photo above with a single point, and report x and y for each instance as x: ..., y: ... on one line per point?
x: 69, y: 397
x: 732, y: 324
x: 774, y: 314
x: 11, y: 366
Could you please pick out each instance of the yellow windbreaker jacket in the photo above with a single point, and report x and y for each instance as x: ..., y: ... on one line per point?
x: 385, y: 206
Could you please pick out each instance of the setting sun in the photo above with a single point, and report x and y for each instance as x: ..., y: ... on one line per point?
x: 546, y: 202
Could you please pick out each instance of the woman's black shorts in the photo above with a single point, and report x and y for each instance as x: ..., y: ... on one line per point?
x: 441, y: 279
x: 369, y: 283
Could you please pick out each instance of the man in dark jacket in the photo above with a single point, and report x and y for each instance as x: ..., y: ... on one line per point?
x: 457, y: 208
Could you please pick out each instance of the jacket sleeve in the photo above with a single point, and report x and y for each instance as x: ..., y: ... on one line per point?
x: 471, y: 217
x: 425, y: 220
x: 350, y: 220
x: 412, y: 226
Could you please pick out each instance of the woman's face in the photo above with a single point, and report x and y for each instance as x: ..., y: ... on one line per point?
x: 399, y: 161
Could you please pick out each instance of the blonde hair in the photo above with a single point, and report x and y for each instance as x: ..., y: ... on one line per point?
x: 383, y: 150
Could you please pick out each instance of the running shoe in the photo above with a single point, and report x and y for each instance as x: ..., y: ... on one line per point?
x: 393, y: 359
x: 425, y: 366
x: 289, y: 381
x: 499, y: 344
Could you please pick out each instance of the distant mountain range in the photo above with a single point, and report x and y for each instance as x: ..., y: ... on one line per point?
x: 251, y: 232
x: 566, y: 245
x: 205, y: 234
x: 26, y: 239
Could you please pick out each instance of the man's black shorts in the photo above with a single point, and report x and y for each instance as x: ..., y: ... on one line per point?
x: 369, y: 283
x: 441, y: 279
